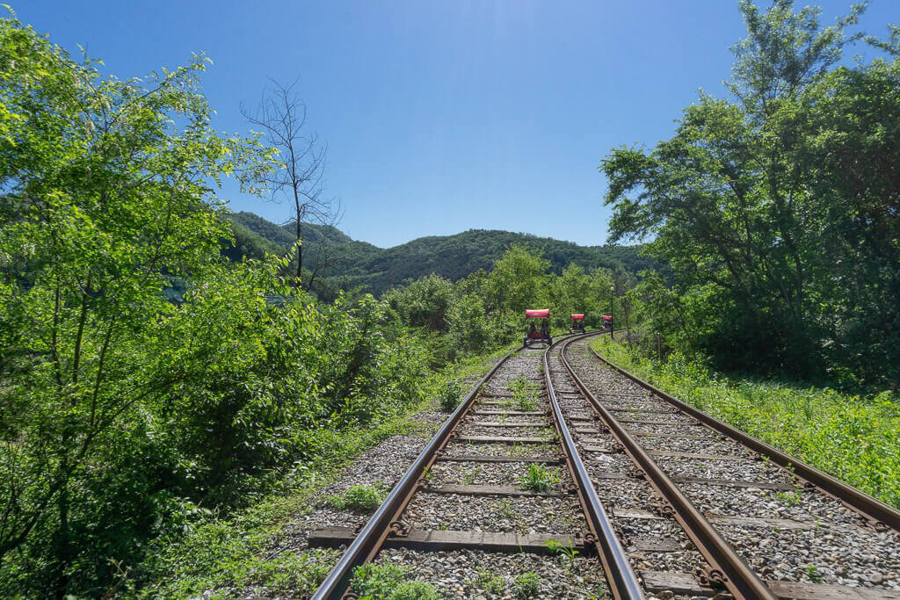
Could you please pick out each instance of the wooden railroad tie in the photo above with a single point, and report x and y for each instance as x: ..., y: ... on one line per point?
x: 510, y: 413
x: 509, y: 424
x: 433, y: 540
x: 761, y: 485
x: 488, y: 490
x: 686, y: 584
x: 501, y: 459
x: 489, y: 439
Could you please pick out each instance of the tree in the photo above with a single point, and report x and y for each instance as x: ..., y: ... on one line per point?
x: 734, y: 202
x: 423, y: 303
x: 518, y: 281
x: 107, y: 198
x: 299, y: 162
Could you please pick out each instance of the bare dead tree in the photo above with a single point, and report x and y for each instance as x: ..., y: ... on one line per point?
x: 300, y: 163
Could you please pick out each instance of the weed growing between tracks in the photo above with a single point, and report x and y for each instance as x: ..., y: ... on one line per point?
x: 390, y: 582
x: 527, y: 586
x: 854, y: 438
x: 239, y: 553
x: 538, y: 478
x: 525, y: 394
x: 359, y: 498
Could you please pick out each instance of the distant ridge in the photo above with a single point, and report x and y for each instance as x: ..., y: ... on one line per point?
x: 360, y: 264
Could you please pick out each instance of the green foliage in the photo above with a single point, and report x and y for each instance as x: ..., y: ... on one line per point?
x: 218, y: 551
x: 450, y: 395
x: 813, y: 574
x: 773, y: 208
x: 247, y: 244
x: 851, y: 437
x: 488, y: 582
x: 471, y: 330
x: 518, y: 281
x: 524, y: 394
x: 359, y: 498
x: 105, y: 201
x: 565, y: 550
x: 389, y: 582
x: 527, y: 586
x: 485, y: 310
x: 423, y: 303
x: 538, y: 478
x: 124, y: 413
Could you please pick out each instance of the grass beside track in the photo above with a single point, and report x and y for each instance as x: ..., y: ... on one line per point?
x: 228, y: 557
x: 854, y: 438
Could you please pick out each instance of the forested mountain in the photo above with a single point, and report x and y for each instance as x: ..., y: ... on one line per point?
x: 352, y: 263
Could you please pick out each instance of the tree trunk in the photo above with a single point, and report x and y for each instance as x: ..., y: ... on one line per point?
x: 63, y: 545
x: 299, y: 246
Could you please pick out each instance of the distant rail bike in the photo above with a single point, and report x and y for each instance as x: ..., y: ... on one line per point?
x: 538, y: 330
x: 577, y: 323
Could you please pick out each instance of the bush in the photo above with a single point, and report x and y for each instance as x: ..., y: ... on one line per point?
x: 450, y: 395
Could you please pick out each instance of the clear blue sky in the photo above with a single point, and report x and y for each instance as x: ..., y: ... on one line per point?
x: 442, y: 115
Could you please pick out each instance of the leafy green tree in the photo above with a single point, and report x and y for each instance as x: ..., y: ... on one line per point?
x: 571, y: 292
x: 518, y: 281
x: 762, y: 205
x: 107, y: 197
x: 471, y: 330
x: 850, y: 128
x: 423, y: 303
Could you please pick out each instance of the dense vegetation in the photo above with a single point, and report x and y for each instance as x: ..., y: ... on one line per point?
x: 349, y: 264
x: 169, y: 395
x: 125, y: 417
x: 778, y: 208
x: 128, y: 420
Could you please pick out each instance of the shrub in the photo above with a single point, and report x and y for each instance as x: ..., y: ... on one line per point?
x: 524, y: 394
x: 450, y: 395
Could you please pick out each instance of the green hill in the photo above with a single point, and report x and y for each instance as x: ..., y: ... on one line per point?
x: 352, y: 263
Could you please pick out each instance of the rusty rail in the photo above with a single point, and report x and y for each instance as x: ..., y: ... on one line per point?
x: 619, y: 575
x: 728, y: 569
x: 370, y: 539
x: 877, y: 514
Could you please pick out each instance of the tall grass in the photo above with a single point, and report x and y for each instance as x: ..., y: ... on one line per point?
x: 854, y: 438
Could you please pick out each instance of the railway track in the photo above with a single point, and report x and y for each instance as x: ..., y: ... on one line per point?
x: 640, y: 499
x: 704, y: 509
x: 462, y: 504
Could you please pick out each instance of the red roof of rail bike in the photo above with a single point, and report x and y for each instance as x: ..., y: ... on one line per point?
x: 578, y: 316
x: 606, y: 316
x: 541, y: 313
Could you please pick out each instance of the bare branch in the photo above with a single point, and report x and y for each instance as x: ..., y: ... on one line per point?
x: 299, y: 174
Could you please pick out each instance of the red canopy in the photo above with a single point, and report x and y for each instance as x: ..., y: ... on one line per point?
x: 540, y: 313
x: 578, y: 316
x: 607, y: 317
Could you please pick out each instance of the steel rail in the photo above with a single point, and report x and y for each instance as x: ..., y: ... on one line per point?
x: 879, y: 515
x: 727, y: 567
x: 369, y: 541
x: 619, y: 575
